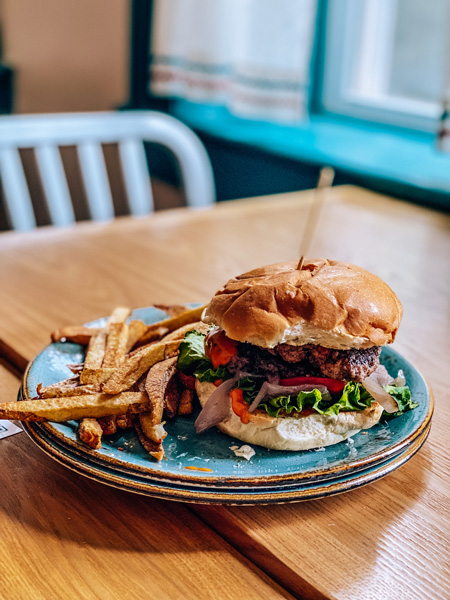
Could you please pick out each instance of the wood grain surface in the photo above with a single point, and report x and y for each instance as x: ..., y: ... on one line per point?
x: 64, y: 536
x: 387, y: 540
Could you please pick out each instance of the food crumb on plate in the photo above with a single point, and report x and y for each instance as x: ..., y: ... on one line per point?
x: 244, y: 451
x: 192, y: 468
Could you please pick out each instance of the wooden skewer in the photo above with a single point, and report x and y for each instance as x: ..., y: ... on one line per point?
x: 325, y: 181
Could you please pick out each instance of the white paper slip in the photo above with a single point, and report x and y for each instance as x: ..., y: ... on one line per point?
x: 7, y: 428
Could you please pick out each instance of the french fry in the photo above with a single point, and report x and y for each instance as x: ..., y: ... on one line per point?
x: 90, y: 432
x: 74, y: 407
x: 136, y: 330
x: 119, y: 315
x: 116, y: 344
x: 94, y: 357
x: 77, y: 334
x: 76, y: 368
x: 189, y: 316
x: 179, y: 333
x: 92, y: 371
x: 139, y: 348
x: 171, y: 399
x: 186, y: 403
x: 117, y: 338
x: 108, y: 424
x: 154, y: 432
x: 152, y: 337
x: 96, y: 376
x: 66, y: 388
x: 81, y: 334
x: 156, y: 383
x: 187, y: 381
x: 154, y: 449
x: 59, y: 387
x: 124, y: 421
x: 172, y: 309
x: 131, y: 369
x: 140, y: 383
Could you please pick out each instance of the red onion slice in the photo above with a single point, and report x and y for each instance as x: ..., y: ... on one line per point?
x: 380, y: 395
x: 218, y: 406
x: 381, y: 376
x: 273, y: 389
x: 400, y: 380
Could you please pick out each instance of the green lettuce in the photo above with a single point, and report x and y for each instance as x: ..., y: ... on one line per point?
x: 192, y: 352
x: 402, y: 395
x: 289, y: 404
x: 250, y: 387
x: 354, y: 397
x: 206, y: 372
x: 192, y: 359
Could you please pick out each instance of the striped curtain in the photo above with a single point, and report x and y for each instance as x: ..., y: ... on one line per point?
x: 252, y: 56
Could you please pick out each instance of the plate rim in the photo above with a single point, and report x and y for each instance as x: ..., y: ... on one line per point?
x: 153, y: 489
x: 211, y: 483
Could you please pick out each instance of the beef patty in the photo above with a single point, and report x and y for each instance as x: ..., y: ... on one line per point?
x: 316, y: 361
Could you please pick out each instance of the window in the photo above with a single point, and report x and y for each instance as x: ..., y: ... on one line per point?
x: 376, y: 90
x: 385, y: 60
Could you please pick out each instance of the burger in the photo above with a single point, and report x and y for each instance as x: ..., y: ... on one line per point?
x: 290, y: 359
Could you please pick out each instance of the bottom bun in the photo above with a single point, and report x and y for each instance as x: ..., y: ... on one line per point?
x: 294, y: 433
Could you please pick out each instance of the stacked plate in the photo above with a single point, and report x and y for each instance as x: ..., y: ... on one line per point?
x: 204, y: 469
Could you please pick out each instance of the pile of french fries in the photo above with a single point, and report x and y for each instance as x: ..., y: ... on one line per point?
x: 129, y: 378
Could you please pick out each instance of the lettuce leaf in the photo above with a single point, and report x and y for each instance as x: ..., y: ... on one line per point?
x: 288, y: 404
x: 250, y: 387
x: 192, y: 359
x: 353, y: 397
x: 206, y: 372
x: 402, y: 395
x: 192, y: 352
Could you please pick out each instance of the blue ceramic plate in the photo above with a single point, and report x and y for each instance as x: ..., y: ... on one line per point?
x: 123, y: 453
x: 206, y: 495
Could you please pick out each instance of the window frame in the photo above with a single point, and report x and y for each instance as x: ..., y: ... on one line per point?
x: 341, y: 31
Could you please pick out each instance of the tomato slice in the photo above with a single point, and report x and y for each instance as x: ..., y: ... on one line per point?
x: 334, y: 385
x: 239, y: 405
x: 219, y: 348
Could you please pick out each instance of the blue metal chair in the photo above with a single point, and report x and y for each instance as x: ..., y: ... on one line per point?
x: 88, y: 131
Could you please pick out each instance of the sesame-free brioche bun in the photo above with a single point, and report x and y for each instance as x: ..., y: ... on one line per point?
x: 294, y: 432
x: 330, y: 303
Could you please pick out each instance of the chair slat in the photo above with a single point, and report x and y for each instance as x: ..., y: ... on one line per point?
x: 88, y: 131
x: 95, y: 177
x: 17, y: 196
x: 136, y: 177
x: 55, y: 185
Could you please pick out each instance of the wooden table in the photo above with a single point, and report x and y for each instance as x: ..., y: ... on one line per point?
x: 64, y: 536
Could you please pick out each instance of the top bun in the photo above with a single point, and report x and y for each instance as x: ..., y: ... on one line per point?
x: 330, y: 303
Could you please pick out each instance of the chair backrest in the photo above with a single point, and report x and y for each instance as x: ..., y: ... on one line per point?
x: 88, y: 131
